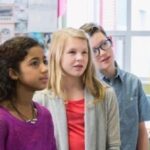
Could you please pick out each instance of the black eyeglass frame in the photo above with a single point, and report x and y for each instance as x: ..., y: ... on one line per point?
x: 97, y: 50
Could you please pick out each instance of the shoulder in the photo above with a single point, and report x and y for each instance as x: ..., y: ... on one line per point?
x: 42, y: 111
x: 4, y: 119
x: 110, y: 96
x: 39, y: 107
x: 3, y: 112
x: 108, y: 88
x: 104, y: 84
x: 127, y: 76
x: 43, y: 96
x: 109, y: 92
x: 47, y: 99
x: 131, y: 82
x: 42, y: 93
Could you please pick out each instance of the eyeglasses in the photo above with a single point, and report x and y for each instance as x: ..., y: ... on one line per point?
x: 105, y: 45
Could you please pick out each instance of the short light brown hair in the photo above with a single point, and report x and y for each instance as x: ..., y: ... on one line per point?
x: 92, y: 28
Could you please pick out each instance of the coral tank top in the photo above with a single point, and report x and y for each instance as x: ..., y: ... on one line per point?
x: 75, y: 121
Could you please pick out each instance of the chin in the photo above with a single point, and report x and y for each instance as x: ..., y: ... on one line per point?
x: 41, y: 88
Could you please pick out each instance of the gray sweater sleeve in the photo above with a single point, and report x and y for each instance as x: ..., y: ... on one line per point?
x: 113, y: 125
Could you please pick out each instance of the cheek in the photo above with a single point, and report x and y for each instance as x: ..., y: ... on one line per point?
x: 112, y: 55
x: 28, y: 77
x: 64, y: 64
x: 29, y: 74
x: 86, y: 58
x: 111, y: 52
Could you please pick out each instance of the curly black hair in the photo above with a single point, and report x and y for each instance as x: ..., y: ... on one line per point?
x: 12, y: 52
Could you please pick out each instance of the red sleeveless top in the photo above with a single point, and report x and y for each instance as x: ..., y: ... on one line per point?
x: 75, y: 121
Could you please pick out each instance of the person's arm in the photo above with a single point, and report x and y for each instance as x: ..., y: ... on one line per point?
x: 144, y: 115
x: 113, y: 136
x: 143, y: 143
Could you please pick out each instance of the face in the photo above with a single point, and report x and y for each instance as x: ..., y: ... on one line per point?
x: 105, y: 59
x: 75, y: 57
x: 33, y: 72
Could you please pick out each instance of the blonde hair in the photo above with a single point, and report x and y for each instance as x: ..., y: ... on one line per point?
x: 57, y: 45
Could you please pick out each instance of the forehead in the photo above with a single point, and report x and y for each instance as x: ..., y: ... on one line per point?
x: 75, y: 43
x: 36, y: 51
x: 97, y: 38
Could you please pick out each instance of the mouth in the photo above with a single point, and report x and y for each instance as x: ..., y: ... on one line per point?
x: 78, y: 66
x: 44, y: 79
x: 105, y: 59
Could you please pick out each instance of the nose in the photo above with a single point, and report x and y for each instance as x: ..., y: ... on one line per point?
x: 79, y: 56
x: 44, y: 68
x: 102, y: 51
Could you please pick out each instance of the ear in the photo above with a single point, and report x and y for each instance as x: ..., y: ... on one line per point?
x: 13, y: 74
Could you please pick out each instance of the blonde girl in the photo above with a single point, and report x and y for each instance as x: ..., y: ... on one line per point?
x: 84, y: 110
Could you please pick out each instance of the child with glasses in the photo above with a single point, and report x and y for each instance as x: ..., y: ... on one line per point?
x: 133, y: 104
x: 24, y: 124
x: 84, y: 110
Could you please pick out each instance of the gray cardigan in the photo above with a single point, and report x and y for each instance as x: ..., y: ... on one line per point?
x: 102, y: 130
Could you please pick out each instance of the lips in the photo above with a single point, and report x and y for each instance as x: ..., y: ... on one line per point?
x: 105, y: 59
x: 79, y: 66
x: 44, y: 79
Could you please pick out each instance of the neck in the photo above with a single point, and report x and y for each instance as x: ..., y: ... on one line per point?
x: 72, y: 83
x: 74, y: 89
x: 23, y: 95
x: 110, y: 72
x: 26, y: 113
x: 23, y: 103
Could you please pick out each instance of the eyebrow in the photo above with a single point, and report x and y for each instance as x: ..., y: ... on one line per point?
x: 37, y: 58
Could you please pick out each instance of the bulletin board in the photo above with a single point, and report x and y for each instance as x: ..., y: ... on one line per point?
x: 36, y: 18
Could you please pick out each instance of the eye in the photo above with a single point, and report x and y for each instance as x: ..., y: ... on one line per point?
x: 105, y: 43
x: 95, y: 50
x: 45, y: 61
x: 35, y: 63
x: 72, y: 52
x: 84, y: 52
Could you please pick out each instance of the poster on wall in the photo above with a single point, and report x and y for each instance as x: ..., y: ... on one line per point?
x: 27, y: 17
